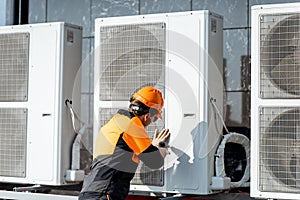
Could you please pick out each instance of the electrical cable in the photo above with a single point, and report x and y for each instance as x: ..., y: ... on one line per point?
x: 212, y: 100
x: 78, y: 141
x: 74, y: 117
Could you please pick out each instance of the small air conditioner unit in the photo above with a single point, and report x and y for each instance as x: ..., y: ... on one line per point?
x: 181, y: 54
x: 275, y: 93
x: 38, y: 66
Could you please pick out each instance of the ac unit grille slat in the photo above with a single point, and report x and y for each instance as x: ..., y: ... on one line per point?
x: 279, y: 149
x: 131, y: 56
x: 14, y: 66
x: 143, y: 175
x: 147, y: 176
x: 13, y: 126
x: 279, y: 55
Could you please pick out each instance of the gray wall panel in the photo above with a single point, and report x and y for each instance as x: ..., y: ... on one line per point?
x: 91, y: 56
x: 87, y: 80
x: 2, y: 13
x: 238, y: 109
x: 37, y: 11
x: 85, y: 108
x: 161, y: 6
x: 6, y: 12
x: 233, y: 11
x: 70, y: 11
x: 235, y: 47
x: 86, y: 66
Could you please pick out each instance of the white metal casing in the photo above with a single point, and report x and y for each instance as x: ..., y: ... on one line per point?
x: 268, y: 111
x: 192, y: 66
x: 54, y: 58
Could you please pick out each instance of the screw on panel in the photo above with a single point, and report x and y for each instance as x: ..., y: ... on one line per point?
x: 260, y: 111
x: 261, y: 19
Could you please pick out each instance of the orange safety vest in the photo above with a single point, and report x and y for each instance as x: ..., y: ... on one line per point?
x: 134, y: 135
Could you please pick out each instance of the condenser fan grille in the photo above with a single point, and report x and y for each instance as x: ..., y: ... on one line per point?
x: 279, y: 149
x: 130, y: 56
x: 13, y: 126
x: 14, y: 62
x: 105, y: 114
x: 279, y: 56
x: 143, y: 175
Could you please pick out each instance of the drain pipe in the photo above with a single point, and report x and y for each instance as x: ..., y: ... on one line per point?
x: 75, y: 174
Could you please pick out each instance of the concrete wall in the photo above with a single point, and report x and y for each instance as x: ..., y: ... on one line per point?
x: 6, y: 12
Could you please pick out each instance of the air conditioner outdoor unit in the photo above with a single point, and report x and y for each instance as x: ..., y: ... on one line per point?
x: 275, y: 108
x: 182, y: 55
x: 38, y: 66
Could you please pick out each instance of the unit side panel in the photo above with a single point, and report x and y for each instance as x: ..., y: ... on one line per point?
x: 215, y: 87
x: 42, y: 133
x: 70, y: 88
x: 189, y: 133
x: 254, y: 103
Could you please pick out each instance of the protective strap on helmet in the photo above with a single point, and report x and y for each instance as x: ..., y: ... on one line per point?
x: 140, y: 109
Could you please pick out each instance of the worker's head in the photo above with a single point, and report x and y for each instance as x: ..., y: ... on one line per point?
x: 147, y: 101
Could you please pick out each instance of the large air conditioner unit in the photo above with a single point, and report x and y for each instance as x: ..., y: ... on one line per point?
x: 38, y: 66
x: 181, y: 54
x: 275, y: 108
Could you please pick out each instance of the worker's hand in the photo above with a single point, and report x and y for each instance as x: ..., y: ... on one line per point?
x: 160, y: 139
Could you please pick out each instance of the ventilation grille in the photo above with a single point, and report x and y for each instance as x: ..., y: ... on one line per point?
x: 14, y: 54
x: 279, y: 149
x: 105, y: 114
x: 13, y: 125
x: 147, y: 176
x: 279, y: 56
x: 131, y: 56
x: 143, y: 175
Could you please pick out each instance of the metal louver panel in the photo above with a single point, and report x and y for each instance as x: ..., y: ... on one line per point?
x: 131, y: 56
x: 105, y: 114
x: 13, y: 139
x: 143, y: 175
x: 279, y: 56
x: 147, y: 176
x: 279, y: 149
x: 14, y: 61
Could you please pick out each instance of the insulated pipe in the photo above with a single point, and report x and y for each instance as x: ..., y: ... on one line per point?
x: 219, y: 163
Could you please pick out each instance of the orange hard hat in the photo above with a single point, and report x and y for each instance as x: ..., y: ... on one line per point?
x: 151, y: 97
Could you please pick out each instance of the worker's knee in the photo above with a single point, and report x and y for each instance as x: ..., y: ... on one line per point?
x: 92, y: 196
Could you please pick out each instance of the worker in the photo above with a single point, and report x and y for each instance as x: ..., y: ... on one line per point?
x: 122, y: 143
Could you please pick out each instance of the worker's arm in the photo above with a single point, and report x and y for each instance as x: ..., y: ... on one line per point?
x: 154, y: 155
